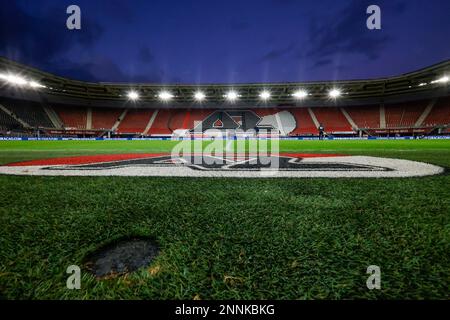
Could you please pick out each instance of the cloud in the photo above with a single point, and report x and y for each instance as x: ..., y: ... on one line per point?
x: 348, y: 33
x: 40, y: 40
x: 279, y: 53
x: 102, y: 69
x: 45, y: 43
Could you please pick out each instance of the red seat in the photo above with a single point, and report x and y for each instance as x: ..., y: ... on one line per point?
x: 365, y: 117
x: 135, y: 121
x: 72, y: 117
x: 332, y: 119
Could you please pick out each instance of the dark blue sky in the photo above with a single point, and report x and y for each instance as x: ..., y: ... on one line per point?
x: 202, y: 41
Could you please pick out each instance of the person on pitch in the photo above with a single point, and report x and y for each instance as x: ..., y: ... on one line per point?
x: 321, y: 131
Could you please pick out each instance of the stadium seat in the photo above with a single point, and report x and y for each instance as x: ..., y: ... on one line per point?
x: 160, y: 125
x: 365, y: 117
x: 404, y: 114
x: 74, y: 118
x: 135, y: 121
x: 292, y: 121
x: 305, y: 125
x: 440, y: 113
x: 105, y: 118
x: 30, y: 112
x: 7, y: 122
x: 332, y: 119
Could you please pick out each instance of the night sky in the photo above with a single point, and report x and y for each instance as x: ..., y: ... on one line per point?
x: 211, y: 41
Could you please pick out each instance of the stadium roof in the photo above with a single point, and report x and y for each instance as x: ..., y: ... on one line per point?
x: 431, y: 80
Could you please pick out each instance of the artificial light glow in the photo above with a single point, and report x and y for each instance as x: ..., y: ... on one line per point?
x: 199, y: 96
x: 16, y: 80
x: 264, y: 95
x: 133, y: 95
x: 35, y: 84
x: 335, y: 93
x: 444, y: 79
x: 300, y: 94
x: 19, y: 81
x: 165, y: 95
x: 232, y: 95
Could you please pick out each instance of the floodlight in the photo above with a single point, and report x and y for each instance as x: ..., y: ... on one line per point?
x: 265, y: 95
x: 17, y: 80
x: 165, y: 95
x: 334, y: 93
x: 232, y: 95
x: 35, y: 84
x: 199, y: 96
x: 300, y: 94
x: 133, y: 95
x: 444, y: 79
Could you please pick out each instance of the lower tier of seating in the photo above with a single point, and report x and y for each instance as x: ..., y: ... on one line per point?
x: 31, y: 113
x: 287, y: 120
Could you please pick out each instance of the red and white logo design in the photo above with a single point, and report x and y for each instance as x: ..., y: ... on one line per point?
x: 288, y: 165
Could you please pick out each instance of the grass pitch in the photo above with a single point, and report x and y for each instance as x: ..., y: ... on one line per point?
x: 229, y: 238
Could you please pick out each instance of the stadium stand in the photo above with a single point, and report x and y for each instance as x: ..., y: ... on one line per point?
x: 104, y: 118
x: 30, y: 112
x: 293, y: 121
x: 305, y: 125
x: 440, y: 114
x: 72, y: 117
x: 404, y: 114
x: 179, y: 119
x: 332, y: 119
x: 160, y: 124
x: 135, y: 121
x: 7, y: 122
x: 365, y: 116
x: 186, y: 119
x: 412, y: 103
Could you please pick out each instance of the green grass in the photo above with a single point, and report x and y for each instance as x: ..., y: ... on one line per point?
x: 229, y: 238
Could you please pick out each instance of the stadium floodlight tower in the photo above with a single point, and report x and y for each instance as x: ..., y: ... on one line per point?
x: 133, y: 95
